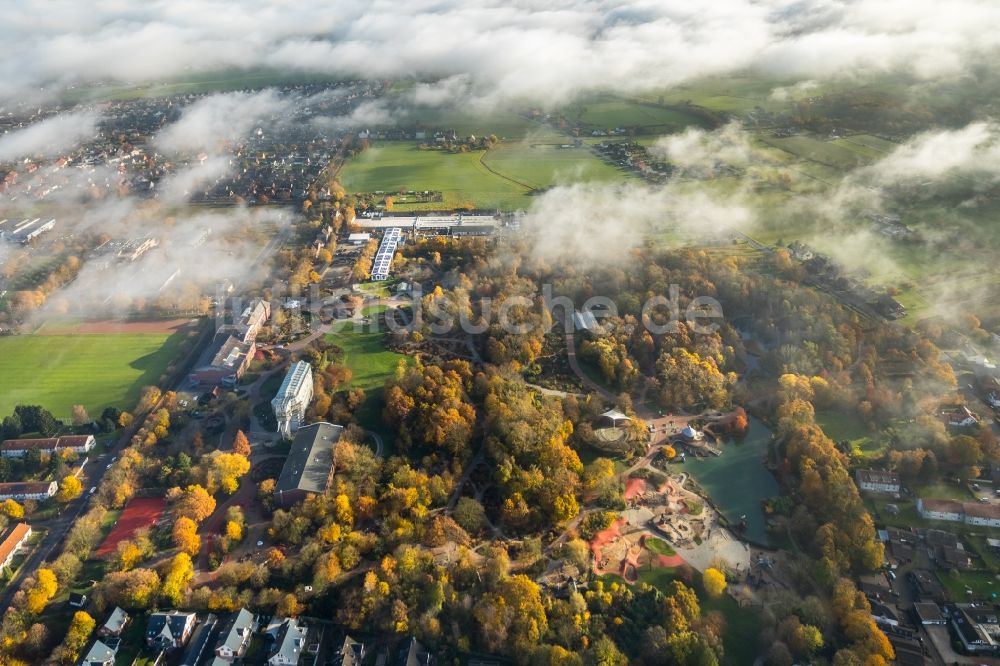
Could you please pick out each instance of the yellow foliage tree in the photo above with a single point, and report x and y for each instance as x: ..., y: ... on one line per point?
x: 234, y: 531
x: 185, y: 535
x: 42, y: 591
x: 12, y: 509
x: 196, y: 503
x: 714, y: 581
x: 180, y: 574
x: 69, y: 489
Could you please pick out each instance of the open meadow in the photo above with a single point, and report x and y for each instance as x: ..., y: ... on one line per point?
x: 95, y: 370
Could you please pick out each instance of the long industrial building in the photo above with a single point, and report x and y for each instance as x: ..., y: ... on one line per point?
x: 386, y: 251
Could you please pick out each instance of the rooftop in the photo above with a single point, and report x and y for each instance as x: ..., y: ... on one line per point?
x: 13, y: 540
x: 310, y: 459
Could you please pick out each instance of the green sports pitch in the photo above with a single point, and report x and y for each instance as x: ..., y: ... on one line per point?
x: 93, y: 370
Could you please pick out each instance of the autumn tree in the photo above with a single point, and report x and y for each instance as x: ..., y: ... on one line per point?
x: 80, y: 628
x: 241, y: 445
x: 80, y: 416
x: 12, y: 509
x: 69, y: 489
x: 44, y: 588
x: 714, y: 582
x: 195, y: 503
x: 179, y: 575
x: 185, y: 535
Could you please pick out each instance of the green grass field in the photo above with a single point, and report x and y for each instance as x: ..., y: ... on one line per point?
x: 97, y: 371
x: 460, y: 177
x: 611, y: 112
x: 371, y: 364
x: 502, y: 178
x: 542, y: 165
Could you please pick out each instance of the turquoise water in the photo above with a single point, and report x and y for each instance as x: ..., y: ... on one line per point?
x: 737, y: 480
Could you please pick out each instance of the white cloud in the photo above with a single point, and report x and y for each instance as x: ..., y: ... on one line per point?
x: 511, y: 49
x: 49, y: 137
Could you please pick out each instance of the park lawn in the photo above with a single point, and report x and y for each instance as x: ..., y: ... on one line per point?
x: 371, y: 365
x: 741, y: 639
x: 97, y: 371
x: 983, y: 585
x: 542, y: 165
x: 840, y: 426
x: 462, y: 179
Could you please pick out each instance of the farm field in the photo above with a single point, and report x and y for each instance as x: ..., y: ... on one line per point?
x: 541, y: 165
x: 610, y: 112
x: 502, y: 178
x: 97, y: 371
x: 460, y: 177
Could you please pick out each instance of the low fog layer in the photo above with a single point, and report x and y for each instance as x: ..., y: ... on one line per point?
x: 49, y: 137
x: 520, y: 49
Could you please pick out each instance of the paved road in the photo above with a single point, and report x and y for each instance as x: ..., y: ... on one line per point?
x: 49, y: 547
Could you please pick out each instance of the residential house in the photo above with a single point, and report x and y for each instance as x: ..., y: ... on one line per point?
x: 409, y: 652
x: 199, y: 641
x: 13, y: 543
x: 877, y: 481
x: 169, y: 631
x: 970, y: 513
x: 235, y: 636
x: 309, y: 464
x: 940, y: 509
x: 929, y: 613
x: 17, y: 448
x: 973, y: 636
x: 928, y: 586
x: 350, y: 653
x: 115, y: 624
x: 293, y: 398
x: 959, y: 418
x: 77, y: 600
x: 28, y: 490
x: 288, y: 644
x: 100, y: 654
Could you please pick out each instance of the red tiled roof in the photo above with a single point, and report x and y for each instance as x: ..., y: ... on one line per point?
x: 67, y: 441
x: 25, y: 487
x: 13, y: 540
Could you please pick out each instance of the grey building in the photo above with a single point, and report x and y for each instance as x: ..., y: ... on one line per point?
x: 309, y: 463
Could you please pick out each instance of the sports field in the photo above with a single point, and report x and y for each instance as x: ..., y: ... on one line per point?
x: 139, y: 512
x: 95, y: 370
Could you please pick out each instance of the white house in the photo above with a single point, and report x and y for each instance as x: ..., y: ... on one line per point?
x: 10, y: 546
x: 29, y: 490
x: 17, y: 448
x: 293, y: 398
x: 940, y: 509
x: 289, y: 644
x: 876, y: 481
x: 970, y: 513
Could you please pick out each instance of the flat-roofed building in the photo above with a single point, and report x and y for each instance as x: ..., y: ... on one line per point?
x: 293, y: 398
x: 386, y: 251
x: 309, y: 464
